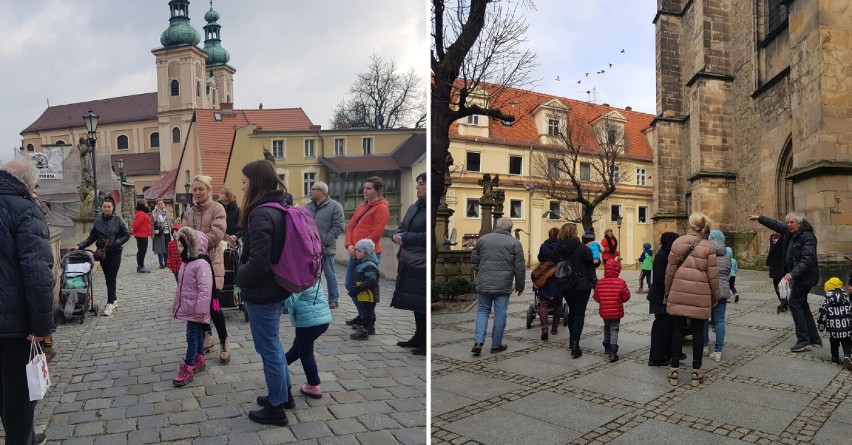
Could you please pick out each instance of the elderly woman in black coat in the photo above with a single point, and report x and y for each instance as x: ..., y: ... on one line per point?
x: 410, y: 291
x: 661, y: 328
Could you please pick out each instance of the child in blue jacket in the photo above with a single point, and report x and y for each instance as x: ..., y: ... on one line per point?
x: 647, y: 261
x: 366, y: 288
x: 733, y: 279
x: 310, y: 315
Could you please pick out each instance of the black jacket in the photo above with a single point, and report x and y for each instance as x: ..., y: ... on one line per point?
x: 262, y: 243
x: 805, y: 269
x: 411, y: 269
x: 657, y: 291
x: 232, y: 216
x: 26, y: 263
x: 775, y: 261
x: 110, y: 228
x: 580, y: 255
x: 547, y: 252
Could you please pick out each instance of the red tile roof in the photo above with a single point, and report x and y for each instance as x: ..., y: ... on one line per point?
x: 164, y: 188
x: 405, y: 154
x: 138, y: 107
x: 523, y: 131
x: 216, y: 138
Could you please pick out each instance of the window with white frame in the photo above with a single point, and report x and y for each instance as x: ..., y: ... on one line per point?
x: 307, y: 182
x: 642, y: 214
x: 310, y: 148
x: 555, y: 210
x: 472, y: 208
x: 553, y: 168
x: 473, y: 119
x: 367, y: 146
x: 614, y: 212
x: 640, y: 176
x: 516, y: 164
x: 585, y: 171
x: 278, y: 149
x: 340, y: 147
x: 472, y: 163
x: 616, y: 174
x: 516, y: 208
x: 553, y: 127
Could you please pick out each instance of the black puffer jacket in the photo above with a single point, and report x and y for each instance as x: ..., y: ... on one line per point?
x: 110, y: 230
x: 411, y: 272
x: 657, y: 291
x: 232, y: 217
x: 262, y: 243
x: 805, y: 268
x: 580, y: 255
x: 26, y: 263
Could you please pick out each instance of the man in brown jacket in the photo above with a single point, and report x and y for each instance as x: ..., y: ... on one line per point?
x: 692, y: 289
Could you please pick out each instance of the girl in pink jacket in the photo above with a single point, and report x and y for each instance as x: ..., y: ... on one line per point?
x: 192, y: 299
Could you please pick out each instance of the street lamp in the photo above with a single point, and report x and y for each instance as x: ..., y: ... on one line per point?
x: 618, y: 220
x: 91, y: 120
x: 121, y: 176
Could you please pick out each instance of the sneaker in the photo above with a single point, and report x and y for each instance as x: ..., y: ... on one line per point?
x: 312, y: 391
x: 200, y: 364
x: 716, y: 356
x: 108, y: 309
x: 800, y: 347
x: 143, y: 270
x: 477, y: 349
x: 847, y: 362
x: 500, y: 348
x: 332, y: 305
x: 817, y: 342
x: 184, y: 375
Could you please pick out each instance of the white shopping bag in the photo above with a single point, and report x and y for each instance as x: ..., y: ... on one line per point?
x: 38, y: 378
x: 783, y: 289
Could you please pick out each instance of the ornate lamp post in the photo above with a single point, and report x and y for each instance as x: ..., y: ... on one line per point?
x: 121, y: 177
x: 618, y: 220
x: 91, y: 120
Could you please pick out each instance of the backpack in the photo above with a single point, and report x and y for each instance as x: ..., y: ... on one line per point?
x: 565, y: 276
x: 300, y: 263
x: 542, y: 273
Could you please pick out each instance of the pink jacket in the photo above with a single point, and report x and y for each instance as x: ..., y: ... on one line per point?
x: 195, y: 281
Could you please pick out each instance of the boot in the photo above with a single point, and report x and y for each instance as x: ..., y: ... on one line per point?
x: 270, y: 415
x: 697, y: 377
x: 613, y: 353
x: 208, y: 342
x: 225, y: 352
x: 361, y: 333
x: 575, y: 348
x: 606, y: 348
x: 200, y: 364
x: 184, y: 375
x: 289, y: 404
x: 544, y: 333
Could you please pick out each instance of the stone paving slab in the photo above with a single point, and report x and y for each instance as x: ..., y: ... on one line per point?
x: 759, y: 392
x: 113, y: 377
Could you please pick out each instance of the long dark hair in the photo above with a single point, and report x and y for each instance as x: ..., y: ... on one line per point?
x: 262, y: 180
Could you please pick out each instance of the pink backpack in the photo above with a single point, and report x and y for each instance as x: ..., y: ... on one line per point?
x: 300, y: 264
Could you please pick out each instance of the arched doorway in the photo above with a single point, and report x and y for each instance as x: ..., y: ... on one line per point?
x: 784, y: 185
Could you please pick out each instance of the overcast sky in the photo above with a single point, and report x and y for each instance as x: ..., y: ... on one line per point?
x: 287, y: 53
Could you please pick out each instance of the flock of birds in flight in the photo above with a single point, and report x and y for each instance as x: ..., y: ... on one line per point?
x: 602, y: 71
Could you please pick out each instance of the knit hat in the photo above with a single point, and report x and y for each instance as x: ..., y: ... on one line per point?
x: 717, y: 235
x: 832, y: 284
x: 589, y: 236
x: 366, y: 245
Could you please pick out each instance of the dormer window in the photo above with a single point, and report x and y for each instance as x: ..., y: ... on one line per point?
x: 473, y: 119
x: 553, y: 127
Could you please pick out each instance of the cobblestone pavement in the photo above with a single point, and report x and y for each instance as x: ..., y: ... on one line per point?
x: 113, y: 378
x: 534, y: 392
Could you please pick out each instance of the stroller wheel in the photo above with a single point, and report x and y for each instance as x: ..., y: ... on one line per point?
x: 530, y: 316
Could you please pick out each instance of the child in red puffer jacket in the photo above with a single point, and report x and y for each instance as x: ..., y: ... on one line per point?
x: 611, y: 293
x: 174, y: 260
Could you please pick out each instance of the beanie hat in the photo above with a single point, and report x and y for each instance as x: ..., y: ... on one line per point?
x: 729, y: 251
x: 589, y: 236
x: 366, y: 245
x: 717, y: 235
x: 832, y: 284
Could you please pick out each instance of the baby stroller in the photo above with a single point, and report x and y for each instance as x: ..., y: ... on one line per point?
x: 229, y: 296
x: 75, y: 286
x: 532, y: 311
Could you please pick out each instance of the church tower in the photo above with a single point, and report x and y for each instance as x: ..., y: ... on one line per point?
x: 220, y: 75
x: 181, y: 83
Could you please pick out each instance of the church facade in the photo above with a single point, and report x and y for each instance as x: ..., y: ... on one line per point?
x: 754, y: 116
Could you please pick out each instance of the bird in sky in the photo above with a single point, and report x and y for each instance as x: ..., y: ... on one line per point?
x: 587, y: 74
x: 622, y: 50
x: 557, y: 78
x: 579, y: 81
x: 610, y: 65
x: 602, y: 71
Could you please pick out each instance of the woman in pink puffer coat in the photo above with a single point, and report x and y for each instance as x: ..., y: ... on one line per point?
x: 192, y: 299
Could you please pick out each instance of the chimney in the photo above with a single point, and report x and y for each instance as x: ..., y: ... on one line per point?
x: 628, y: 108
x: 315, y: 127
x: 226, y: 106
x: 606, y: 105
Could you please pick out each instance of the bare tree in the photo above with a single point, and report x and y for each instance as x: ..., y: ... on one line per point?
x: 382, y: 97
x: 581, y: 167
x: 473, y: 42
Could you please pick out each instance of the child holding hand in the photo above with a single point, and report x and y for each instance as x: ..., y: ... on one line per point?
x: 366, y: 288
x: 192, y: 300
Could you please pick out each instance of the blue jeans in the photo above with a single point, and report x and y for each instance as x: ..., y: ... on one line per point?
x: 501, y: 304
x: 718, y: 320
x: 303, y: 349
x: 194, y: 341
x: 330, y: 279
x: 264, y: 322
x: 349, y: 282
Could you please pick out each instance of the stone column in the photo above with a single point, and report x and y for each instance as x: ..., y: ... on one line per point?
x: 442, y: 226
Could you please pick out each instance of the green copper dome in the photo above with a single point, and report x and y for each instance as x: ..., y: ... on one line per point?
x: 179, y: 32
x: 216, y: 55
